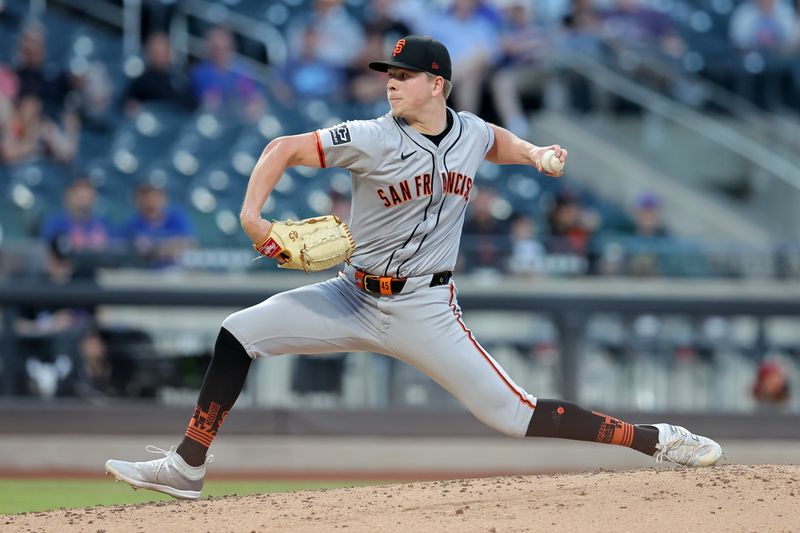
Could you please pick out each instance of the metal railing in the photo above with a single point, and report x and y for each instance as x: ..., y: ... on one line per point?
x: 127, y: 17
x: 707, y: 126
x: 568, y: 304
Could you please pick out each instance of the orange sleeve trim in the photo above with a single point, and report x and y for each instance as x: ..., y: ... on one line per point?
x: 320, y: 151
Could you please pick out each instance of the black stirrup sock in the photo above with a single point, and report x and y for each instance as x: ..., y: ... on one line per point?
x: 222, y: 384
x: 566, y: 420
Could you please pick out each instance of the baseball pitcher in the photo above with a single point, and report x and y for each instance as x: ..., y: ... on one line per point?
x: 413, y: 173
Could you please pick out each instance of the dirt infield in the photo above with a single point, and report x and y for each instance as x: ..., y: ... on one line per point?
x: 723, y: 498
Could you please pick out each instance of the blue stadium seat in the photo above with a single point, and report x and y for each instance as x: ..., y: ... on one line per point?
x: 218, y: 181
x: 245, y: 151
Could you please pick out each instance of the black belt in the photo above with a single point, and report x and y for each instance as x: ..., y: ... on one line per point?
x: 388, y: 286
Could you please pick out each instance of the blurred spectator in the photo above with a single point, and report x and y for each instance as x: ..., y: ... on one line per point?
x: 641, y: 40
x: 582, y: 38
x: 572, y: 229
x: 86, y: 88
x: 765, y: 32
x: 158, y: 232
x: 305, y: 75
x: 473, y: 44
x: 224, y: 85
x: 28, y: 134
x: 630, y: 24
x: 68, y: 355
x: 47, y: 81
x: 645, y: 252
x: 522, y: 67
x: 78, y: 228
x: 383, y: 18
x: 384, y: 27
x: 339, y: 37
x: 485, y: 235
x: 771, y: 386
x: 583, y: 18
x: 647, y: 217
x: 368, y: 86
x: 527, y: 253
x: 65, y: 354
x: 766, y: 25
x: 161, y: 80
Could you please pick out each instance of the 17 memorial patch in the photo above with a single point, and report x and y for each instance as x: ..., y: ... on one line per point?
x: 340, y: 135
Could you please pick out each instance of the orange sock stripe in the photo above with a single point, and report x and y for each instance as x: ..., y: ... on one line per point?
x: 198, y: 436
x: 485, y: 355
x: 614, y: 431
x: 619, y: 435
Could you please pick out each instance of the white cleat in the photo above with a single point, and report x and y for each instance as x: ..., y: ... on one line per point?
x: 679, y: 445
x: 170, y: 474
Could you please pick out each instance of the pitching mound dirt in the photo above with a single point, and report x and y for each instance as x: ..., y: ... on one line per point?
x: 724, y: 498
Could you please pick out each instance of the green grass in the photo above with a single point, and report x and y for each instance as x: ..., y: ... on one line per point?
x: 23, y: 495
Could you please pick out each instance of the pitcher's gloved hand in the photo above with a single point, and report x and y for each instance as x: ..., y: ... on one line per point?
x: 312, y: 244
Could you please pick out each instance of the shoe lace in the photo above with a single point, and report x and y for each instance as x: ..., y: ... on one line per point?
x: 678, y: 442
x: 155, y: 449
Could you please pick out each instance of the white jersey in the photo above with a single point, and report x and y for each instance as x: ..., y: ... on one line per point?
x: 409, y: 195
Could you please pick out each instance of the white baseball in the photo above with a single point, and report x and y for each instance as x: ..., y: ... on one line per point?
x: 551, y: 163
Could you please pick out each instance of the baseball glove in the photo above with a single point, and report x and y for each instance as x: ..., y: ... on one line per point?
x: 311, y: 245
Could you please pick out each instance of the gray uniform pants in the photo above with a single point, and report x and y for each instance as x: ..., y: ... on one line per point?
x: 423, y: 328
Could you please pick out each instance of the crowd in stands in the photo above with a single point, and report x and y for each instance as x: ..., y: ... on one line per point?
x: 506, y: 56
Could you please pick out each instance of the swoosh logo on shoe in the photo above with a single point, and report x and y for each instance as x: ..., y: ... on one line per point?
x: 403, y: 157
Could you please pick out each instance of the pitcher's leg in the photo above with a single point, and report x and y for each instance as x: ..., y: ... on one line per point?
x: 332, y: 316
x: 181, y: 473
x: 314, y: 319
x: 326, y: 317
x: 447, y: 351
x: 430, y: 335
x: 221, y: 386
x: 566, y: 420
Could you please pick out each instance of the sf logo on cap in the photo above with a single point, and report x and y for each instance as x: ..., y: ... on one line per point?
x: 399, y: 47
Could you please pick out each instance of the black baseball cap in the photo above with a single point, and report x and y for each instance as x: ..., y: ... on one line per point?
x: 418, y: 53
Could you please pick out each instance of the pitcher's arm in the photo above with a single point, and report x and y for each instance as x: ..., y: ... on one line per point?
x: 280, y: 154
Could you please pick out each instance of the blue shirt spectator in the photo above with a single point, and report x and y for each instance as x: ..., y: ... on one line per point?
x: 175, y: 223
x: 77, y: 228
x: 223, y: 84
x: 307, y: 76
x: 90, y: 234
x: 158, y: 232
